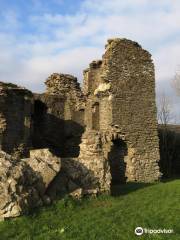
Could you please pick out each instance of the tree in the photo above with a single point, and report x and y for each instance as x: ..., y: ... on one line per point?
x: 165, y: 115
x: 176, y: 83
x: 167, y: 137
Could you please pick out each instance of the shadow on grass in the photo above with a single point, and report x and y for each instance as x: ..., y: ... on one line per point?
x: 176, y: 177
x: 126, y: 188
x: 116, y: 191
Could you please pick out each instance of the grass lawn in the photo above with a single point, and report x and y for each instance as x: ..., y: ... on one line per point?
x: 105, y: 217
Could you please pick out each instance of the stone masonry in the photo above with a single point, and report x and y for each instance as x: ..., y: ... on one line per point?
x: 120, y: 91
x: 16, y: 107
x: 105, y: 133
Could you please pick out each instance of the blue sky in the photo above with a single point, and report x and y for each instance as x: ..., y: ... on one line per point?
x: 38, y: 37
x: 41, y: 6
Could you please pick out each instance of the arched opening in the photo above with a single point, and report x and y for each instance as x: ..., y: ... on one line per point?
x: 95, y: 116
x: 39, y: 116
x: 116, y: 160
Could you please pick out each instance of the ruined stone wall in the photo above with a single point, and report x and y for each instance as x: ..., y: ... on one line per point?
x: 16, y: 107
x: 92, y: 77
x: 130, y: 72
x: 68, y: 88
x: 48, y: 129
x: 96, y: 169
x: 105, y: 134
x: 59, y: 124
x: 95, y: 89
x: 105, y: 113
x: 99, y: 162
x: 66, y: 85
x: 98, y: 113
x: 123, y: 87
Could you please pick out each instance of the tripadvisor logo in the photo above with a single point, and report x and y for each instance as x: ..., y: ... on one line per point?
x: 139, y: 231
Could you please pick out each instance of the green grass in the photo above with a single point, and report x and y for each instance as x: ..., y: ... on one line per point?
x: 105, y: 217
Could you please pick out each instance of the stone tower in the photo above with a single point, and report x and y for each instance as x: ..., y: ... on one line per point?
x: 121, y: 110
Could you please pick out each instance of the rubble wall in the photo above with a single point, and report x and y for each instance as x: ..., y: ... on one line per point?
x: 92, y: 77
x: 105, y: 134
x: 59, y: 124
x: 48, y: 123
x: 16, y: 108
x: 130, y: 72
x: 122, y: 88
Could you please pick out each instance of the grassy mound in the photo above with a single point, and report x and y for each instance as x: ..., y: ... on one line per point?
x: 104, y: 218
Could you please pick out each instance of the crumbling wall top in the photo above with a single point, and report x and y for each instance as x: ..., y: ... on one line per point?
x: 95, y: 64
x: 8, y: 85
x: 58, y: 83
x: 67, y: 87
x: 112, y: 41
x: 6, y: 88
x: 113, y: 45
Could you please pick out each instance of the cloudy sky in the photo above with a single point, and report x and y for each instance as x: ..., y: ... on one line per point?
x: 38, y: 37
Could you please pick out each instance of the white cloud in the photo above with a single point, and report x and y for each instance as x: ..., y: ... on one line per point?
x: 67, y: 43
x: 33, y: 72
x: 167, y: 59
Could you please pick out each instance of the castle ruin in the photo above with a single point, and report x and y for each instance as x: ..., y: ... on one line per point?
x: 104, y: 133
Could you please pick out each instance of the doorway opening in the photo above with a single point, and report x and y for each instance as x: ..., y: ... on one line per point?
x: 117, y: 163
x: 39, y: 121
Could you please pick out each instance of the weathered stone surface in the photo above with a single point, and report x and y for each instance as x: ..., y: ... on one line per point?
x: 66, y: 85
x: 59, y: 116
x: 16, y: 106
x: 105, y: 133
x: 120, y: 91
x: 43, y: 162
x: 94, y: 159
x: 24, y: 182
